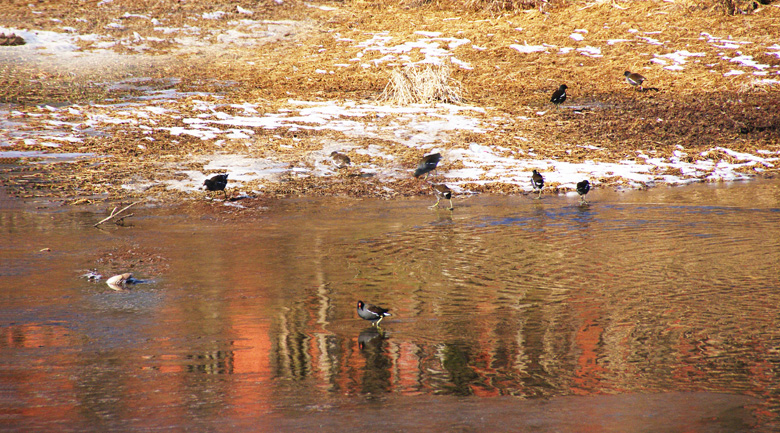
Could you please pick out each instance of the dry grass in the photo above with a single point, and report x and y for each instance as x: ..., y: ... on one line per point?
x: 719, y: 7
x: 422, y: 84
x: 498, y: 6
x: 696, y: 109
x: 757, y: 86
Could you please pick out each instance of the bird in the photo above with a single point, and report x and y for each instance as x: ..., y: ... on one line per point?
x: 373, y: 313
x: 217, y: 183
x: 634, y: 79
x: 537, y: 181
x: 427, y: 164
x: 559, y: 95
x: 339, y: 159
x: 442, y: 192
x: 582, y: 189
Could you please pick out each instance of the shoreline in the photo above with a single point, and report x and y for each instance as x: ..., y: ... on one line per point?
x: 267, y: 96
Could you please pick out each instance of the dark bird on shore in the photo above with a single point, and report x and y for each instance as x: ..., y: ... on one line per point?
x: 582, y: 189
x: 217, y: 183
x: 559, y: 95
x: 373, y: 313
x: 537, y: 181
x: 442, y: 192
x: 339, y: 159
x: 427, y: 164
x: 634, y: 79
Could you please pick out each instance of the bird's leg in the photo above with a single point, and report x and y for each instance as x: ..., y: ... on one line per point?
x: 451, y: 206
x: 223, y: 192
x: 438, y: 199
x: 540, y: 194
x: 377, y: 322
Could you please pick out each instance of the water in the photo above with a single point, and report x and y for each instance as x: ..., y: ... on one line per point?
x: 645, y: 311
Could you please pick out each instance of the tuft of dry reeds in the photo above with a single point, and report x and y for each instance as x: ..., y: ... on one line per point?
x: 497, y: 6
x: 724, y: 7
x: 422, y: 84
x: 756, y: 86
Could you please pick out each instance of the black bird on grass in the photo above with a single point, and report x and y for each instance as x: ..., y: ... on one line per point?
x: 339, y: 159
x: 442, y: 191
x: 373, y: 313
x: 634, y: 79
x: 537, y: 181
x: 217, y: 183
x: 427, y: 164
x: 559, y: 95
x: 582, y: 189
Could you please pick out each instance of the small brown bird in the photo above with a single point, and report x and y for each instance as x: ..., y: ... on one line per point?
x: 442, y: 192
x: 559, y: 96
x: 537, y: 181
x: 373, y: 313
x: 634, y: 79
x: 427, y: 164
x: 339, y: 159
x: 11, y: 40
x: 217, y: 183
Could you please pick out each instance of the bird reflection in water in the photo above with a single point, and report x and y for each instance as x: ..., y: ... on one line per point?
x: 370, y: 337
x: 376, y: 373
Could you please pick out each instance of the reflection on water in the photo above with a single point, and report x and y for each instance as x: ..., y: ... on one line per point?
x: 665, y: 298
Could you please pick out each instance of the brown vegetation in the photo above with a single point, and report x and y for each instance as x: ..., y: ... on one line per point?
x: 694, y: 109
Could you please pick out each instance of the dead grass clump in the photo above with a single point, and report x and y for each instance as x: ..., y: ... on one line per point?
x: 496, y: 6
x: 756, y: 86
x: 734, y: 7
x: 425, y: 84
x: 726, y: 7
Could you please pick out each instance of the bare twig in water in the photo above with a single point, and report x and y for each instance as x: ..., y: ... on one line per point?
x: 115, y: 214
x: 121, y: 221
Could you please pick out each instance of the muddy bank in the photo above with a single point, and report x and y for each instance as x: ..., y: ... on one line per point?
x: 149, y: 100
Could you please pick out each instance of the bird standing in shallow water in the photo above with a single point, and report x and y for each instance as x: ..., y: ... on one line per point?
x: 634, y: 79
x: 442, y: 192
x: 217, y: 183
x: 537, y: 181
x: 339, y: 159
x: 559, y: 96
x: 373, y: 313
x: 582, y: 189
x: 427, y: 164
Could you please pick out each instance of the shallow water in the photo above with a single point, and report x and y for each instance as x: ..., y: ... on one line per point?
x: 644, y: 311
